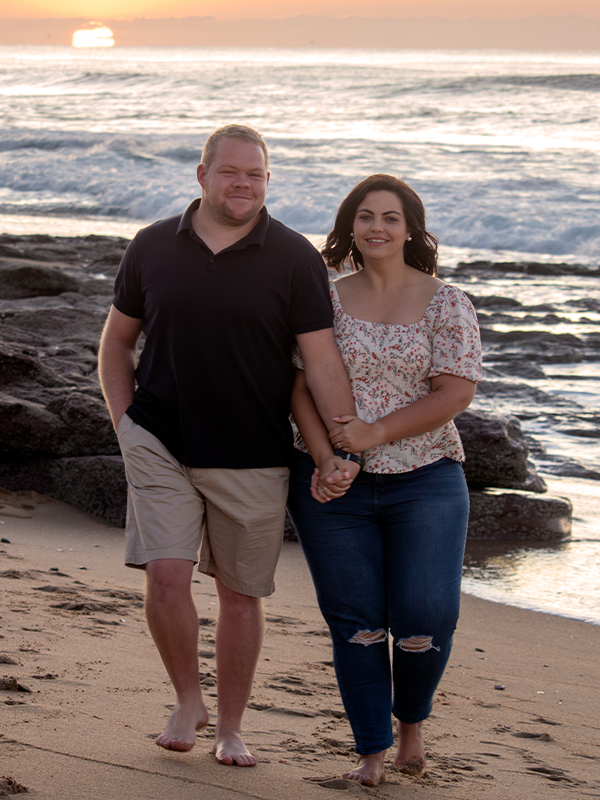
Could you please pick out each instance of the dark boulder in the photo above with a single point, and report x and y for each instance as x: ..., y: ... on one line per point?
x: 95, y: 484
x: 27, y: 279
x: 18, y: 366
x: 496, y: 452
x: 519, y: 517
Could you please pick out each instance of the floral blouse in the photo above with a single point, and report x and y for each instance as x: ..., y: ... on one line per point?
x: 390, y: 366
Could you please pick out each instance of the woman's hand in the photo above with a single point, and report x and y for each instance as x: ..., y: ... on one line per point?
x: 332, y: 478
x: 353, y: 435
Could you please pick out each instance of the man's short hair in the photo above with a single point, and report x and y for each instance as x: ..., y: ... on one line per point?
x: 242, y: 132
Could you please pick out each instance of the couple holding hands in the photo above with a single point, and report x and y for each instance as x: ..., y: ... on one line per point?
x: 240, y: 327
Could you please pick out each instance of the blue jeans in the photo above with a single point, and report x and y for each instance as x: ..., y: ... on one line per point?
x: 386, y: 557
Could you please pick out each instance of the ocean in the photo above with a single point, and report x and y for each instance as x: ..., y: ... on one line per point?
x: 503, y: 148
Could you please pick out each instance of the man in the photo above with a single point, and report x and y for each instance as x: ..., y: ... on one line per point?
x: 221, y: 294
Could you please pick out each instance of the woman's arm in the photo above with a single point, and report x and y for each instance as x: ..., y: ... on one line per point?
x: 449, y: 395
x: 335, y: 473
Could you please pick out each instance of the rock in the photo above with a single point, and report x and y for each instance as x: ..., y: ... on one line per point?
x: 95, y: 484
x: 528, y: 267
x: 71, y: 425
x: 28, y: 279
x: 90, y: 425
x: 66, y: 324
x: 524, y: 345
x: 591, y: 303
x: 496, y: 452
x: 519, y: 517
x: 567, y: 468
x: 529, y: 401
x: 522, y: 369
x: 18, y: 366
x: 28, y: 429
x: 493, y: 301
x: 94, y: 253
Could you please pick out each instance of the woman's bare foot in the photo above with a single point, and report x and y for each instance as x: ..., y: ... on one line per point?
x: 410, y: 758
x: 369, y: 769
x: 230, y: 749
x: 180, y: 733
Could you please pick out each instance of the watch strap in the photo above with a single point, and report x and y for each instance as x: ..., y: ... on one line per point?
x: 348, y: 456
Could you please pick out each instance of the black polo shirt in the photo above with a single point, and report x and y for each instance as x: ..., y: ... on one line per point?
x: 215, y: 374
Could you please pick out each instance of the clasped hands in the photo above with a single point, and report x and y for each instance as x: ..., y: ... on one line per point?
x: 334, y: 475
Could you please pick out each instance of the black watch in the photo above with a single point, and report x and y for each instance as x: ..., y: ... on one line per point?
x: 349, y: 456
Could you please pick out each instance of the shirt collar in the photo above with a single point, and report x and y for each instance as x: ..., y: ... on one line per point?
x: 256, y: 236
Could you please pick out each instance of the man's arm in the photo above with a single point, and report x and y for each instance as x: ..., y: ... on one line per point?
x: 326, y: 375
x: 117, y: 361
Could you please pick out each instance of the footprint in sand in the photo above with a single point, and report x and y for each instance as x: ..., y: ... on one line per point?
x: 542, y: 737
x: 551, y: 774
x: 334, y: 783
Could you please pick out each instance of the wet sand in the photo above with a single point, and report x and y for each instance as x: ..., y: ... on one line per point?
x: 84, y: 693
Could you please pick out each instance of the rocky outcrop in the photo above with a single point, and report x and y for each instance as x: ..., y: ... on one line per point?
x: 497, y: 457
x: 492, y: 268
x: 95, y: 484
x: 55, y: 432
x: 512, y: 516
x: 497, y: 453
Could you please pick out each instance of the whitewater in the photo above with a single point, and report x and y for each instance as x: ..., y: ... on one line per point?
x: 503, y: 147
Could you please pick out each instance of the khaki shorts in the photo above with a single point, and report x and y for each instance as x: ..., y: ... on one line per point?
x: 234, y: 516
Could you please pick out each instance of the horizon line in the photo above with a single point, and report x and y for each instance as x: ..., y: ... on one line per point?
x: 315, y: 17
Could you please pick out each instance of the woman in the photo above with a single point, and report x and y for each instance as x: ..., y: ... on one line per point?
x: 385, y: 549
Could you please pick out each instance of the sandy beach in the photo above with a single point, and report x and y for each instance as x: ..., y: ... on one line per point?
x: 84, y: 693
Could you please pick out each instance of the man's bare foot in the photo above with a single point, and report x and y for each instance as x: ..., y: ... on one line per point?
x: 180, y: 733
x: 229, y: 749
x: 410, y: 758
x: 369, y: 769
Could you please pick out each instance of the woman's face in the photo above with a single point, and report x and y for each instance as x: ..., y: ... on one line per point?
x: 380, y: 226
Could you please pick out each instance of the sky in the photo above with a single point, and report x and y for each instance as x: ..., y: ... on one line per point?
x: 240, y: 9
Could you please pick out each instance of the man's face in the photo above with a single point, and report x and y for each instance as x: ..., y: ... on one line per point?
x: 234, y: 186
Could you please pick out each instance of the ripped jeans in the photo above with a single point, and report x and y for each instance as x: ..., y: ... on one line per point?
x: 386, y: 557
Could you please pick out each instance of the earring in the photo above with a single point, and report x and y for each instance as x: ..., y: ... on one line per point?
x: 409, y: 238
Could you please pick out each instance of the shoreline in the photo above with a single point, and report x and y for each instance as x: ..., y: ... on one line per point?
x: 516, y: 710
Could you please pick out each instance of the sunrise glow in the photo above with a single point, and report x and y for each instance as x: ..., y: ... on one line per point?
x: 95, y: 34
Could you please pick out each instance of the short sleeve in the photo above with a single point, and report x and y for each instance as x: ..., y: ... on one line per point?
x: 127, y: 295
x: 296, y: 355
x: 456, y: 345
x: 310, y: 308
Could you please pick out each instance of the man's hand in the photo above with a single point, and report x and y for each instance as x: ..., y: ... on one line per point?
x: 333, y: 478
x: 353, y: 435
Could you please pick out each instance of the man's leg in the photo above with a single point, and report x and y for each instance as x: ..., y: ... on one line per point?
x: 240, y: 630
x: 173, y: 622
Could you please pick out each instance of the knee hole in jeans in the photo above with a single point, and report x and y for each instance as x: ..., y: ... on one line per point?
x: 417, y: 644
x: 367, y: 637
